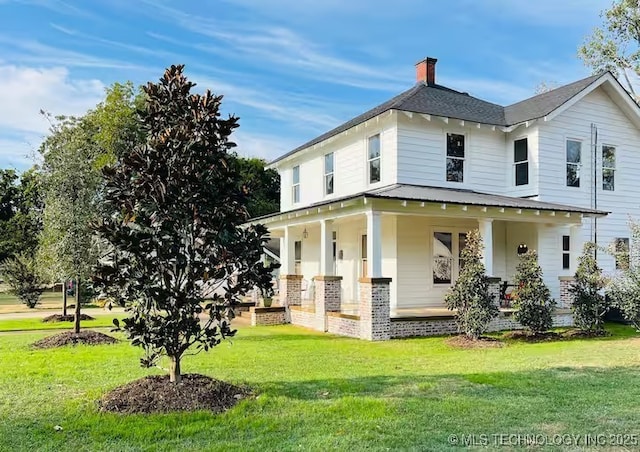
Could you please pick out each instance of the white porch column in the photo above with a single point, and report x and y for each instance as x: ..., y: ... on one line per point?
x: 576, y: 243
x: 326, y: 247
x: 485, y: 225
x: 287, y: 248
x: 374, y: 244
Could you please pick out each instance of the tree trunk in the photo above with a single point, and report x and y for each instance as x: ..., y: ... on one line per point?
x: 76, y: 326
x: 174, y: 370
x: 64, y: 298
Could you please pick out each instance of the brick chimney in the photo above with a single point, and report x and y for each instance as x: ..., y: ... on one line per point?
x: 426, y: 71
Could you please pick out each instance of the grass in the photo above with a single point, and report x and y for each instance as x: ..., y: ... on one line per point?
x: 35, y: 324
x: 320, y: 392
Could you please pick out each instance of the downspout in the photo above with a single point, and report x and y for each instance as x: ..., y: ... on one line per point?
x: 594, y: 187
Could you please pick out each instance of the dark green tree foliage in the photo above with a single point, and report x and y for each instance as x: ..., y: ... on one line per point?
x: 470, y: 294
x: 20, y: 213
x: 21, y: 274
x: 532, y: 297
x: 262, y: 186
x: 589, y: 304
x: 175, y: 219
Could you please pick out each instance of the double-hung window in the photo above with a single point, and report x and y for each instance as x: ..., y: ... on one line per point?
x: 521, y: 161
x: 328, y: 174
x: 574, y: 151
x: 566, y: 252
x: 373, y: 157
x: 447, y: 256
x: 297, y: 257
x: 455, y: 157
x: 295, y: 188
x: 608, y: 168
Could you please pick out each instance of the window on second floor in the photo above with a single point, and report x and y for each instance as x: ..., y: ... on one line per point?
x: 295, y: 187
x: 373, y: 157
x: 521, y: 161
x: 328, y: 174
x: 574, y: 151
x: 455, y: 157
x: 608, y: 168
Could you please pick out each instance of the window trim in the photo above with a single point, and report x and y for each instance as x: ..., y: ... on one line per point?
x: 578, y: 165
x: 455, y: 253
x: 332, y: 173
x: 464, y: 159
x: 369, y: 160
x: 295, y: 186
x: 297, y: 263
x: 613, y: 169
x: 566, y: 253
x: 522, y: 162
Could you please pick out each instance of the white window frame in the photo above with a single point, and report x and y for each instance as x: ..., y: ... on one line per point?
x: 567, y: 252
x: 327, y: 174
x: 455, y: 252
x: 609, y: 168
x: 577, y: 165
x: 523, y: 162
x: 370, y: 160
x: 464, y: 159
x: 297, y: 261
x: 295, y: 186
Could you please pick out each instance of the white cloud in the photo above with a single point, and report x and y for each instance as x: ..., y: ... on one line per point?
x: 26, y: 90
x: 264, y: 146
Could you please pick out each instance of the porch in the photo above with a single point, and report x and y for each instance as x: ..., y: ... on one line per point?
x: 374, y: 266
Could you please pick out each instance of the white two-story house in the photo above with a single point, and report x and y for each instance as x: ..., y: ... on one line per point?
x: 385, y: 200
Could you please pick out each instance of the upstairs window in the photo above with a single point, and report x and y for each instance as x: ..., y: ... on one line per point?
x: 455, y: 157
x: 328, y: 174
x: 574, y: 151
x: 295, y: 188
x: 608, y: 168
x: 521, y: 161
x: 374, y: 158
x: 566, y: 252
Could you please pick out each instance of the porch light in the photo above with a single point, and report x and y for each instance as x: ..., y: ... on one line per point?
x: 522, y: 249
x: 305, y: 233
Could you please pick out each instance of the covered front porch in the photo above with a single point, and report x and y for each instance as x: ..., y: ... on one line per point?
x: 386, y: 261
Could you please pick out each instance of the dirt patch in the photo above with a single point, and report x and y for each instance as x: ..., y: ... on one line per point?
x: 527, y: 336
x: 580, y: 334
x: 462, y: 341
x: 155, y: 394
x: 65, y: 318
x: 85, y: 337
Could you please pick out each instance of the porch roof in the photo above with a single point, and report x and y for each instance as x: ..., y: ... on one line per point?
x: 420, y: 193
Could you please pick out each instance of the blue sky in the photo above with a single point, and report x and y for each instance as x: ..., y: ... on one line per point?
x: 290, y: 69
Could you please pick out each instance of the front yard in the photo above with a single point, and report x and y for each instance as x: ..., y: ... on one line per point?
x: 319, y: 392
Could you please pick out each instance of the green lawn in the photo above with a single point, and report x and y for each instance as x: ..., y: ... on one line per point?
x: 46, y: 298
x: 319, y: 392
x: 37, y: 323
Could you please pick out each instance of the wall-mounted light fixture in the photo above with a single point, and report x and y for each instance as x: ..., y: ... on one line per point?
x: 522, y: 248
x: 305, y: 233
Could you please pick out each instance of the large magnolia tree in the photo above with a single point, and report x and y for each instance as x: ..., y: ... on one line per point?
x: 175, y: 211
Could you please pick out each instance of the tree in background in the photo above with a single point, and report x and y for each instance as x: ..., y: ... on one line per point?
x: 470, y: 293
x: 262, y: 186
x: 21, y: 274
x: 174, y: 220
x: 615, y: 46
x: 21, y: 208
x: 589, y: 304
x: 531, y: 296
x: 624, y: 287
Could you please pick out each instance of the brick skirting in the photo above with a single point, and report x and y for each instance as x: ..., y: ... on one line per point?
x: 267, y: 316
x: 343, y: 325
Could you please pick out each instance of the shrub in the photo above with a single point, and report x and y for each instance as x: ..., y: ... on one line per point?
x: 624, y: 288
x: 589, y: 304
x: 21, y: 274
x: 531, y: 296
x: 470, y: 293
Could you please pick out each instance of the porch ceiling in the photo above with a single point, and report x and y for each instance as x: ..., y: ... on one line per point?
x: 433, y: 201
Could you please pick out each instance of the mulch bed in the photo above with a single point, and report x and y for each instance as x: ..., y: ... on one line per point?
x: 580, y: 334
x: 65, y: 318
x: 156, y: 394
x: 85, y: 337
x: 527, y: 336
x: 462, y: 341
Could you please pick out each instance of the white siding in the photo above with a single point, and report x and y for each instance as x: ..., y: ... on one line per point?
x: 614, y: 128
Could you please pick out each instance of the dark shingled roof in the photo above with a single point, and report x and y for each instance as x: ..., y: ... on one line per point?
x: 439, y: 100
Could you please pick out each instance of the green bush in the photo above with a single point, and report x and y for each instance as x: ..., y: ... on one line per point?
x: 21, y: 274
x: 531, y: 296
x: 470, y: 293
x: 589, y: 304
x: 624, y: 287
